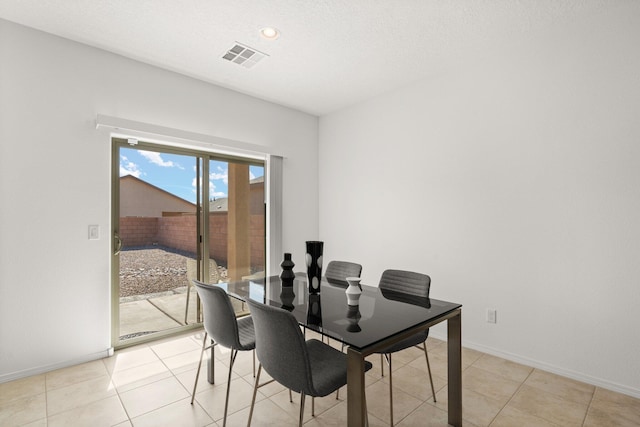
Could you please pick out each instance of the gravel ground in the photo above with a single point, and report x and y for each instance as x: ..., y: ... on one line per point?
x: 153, y: 270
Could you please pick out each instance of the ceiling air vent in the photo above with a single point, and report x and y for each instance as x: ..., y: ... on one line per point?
x: 244, y: 55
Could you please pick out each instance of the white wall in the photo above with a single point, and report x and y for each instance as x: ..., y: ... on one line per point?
x: 55, y: 181
x: 515, y: 184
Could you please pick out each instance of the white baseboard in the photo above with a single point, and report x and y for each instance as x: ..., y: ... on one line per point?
x: 48, y: 368
x: 578, y: 376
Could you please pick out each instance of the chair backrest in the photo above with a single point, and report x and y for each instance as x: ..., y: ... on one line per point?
x: 281, y: 348
x: 219, y: 317
x: 338, y: 271
x: 406, y: 282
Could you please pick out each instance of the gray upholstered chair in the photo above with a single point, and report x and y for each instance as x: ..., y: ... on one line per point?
x: 223, y: 328
x: 338, y: 271
x: 405, y: 286
x: 310, y: 367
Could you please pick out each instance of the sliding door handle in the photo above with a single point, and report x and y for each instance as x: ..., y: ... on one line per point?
x: 118, y: 243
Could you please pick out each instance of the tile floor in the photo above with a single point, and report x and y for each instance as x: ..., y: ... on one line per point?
x: 150, y: 384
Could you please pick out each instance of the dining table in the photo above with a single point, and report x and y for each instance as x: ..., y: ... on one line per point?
x: 380, y: 319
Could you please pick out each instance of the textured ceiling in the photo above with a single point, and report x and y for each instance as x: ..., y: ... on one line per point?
x: 331, y: 53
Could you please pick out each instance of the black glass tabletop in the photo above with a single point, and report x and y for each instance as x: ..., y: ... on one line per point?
x: 378, y: 315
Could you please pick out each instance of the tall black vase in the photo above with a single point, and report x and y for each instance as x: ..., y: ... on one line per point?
x: 287, y: 274
x: 314, y: 265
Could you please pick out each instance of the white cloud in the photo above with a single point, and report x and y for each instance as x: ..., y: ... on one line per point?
x: 222, y: 174
x: 212, y: 189
x: 156, y: 159
x: 129, y: 168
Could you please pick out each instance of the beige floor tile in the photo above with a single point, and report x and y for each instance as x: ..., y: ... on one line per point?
x: 212, y: 399
x: 75, y: 374
x: 106, y: 412
x: 561, y: 386
x: 437, y: 361
x: 178, y: 414
x: 39, y: 423
x: 408, y: 355
x: 477, y: 409
x: 510, y: 417
x: 547, y: 406
x: 415, y: 382
x: 322, y: 404
x: 175, y: 346
x: 79, y: 394
x: 378, y: 401
x: 469, y: 356
x: 244, y: 363
x: 131, y: 378
x: 153, y: 396
x: 505, y: 368
x: 265, y: 414
x: 130, y: 358
x: 24, y: 387
x: 336, y: 416
x: 611, y: 408
x: 23, y: 410
x: 433, y: 343
x: 187, y: 378
x: 426, y: 415
x: 267, y: 390
x: 184, y: 361
x: 489, y: 384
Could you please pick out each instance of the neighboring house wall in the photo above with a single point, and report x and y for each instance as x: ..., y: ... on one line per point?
x: 139, y: 198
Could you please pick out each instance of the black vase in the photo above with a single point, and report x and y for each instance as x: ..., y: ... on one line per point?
x: 287, y: 296
x: 314, y: 265
x: 287, y: 274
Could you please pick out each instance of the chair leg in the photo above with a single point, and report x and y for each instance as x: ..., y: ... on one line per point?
x: 255, y: 390
x: 232, y: 360
x: 186, y: 310
x: 388, y: 357
x: 254, y: 362
x: 290, y: 396
x: 426, y: 356
x: 313, y: 406
x: 195, y: 384
x: 302, y: 396
x: 338, y: 391
x: 382, y: 364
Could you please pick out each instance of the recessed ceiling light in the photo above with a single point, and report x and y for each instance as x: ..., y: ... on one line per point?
x: 269, y: 33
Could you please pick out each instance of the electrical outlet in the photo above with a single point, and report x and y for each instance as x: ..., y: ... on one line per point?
x: 94, y: 232
x: 491, y: 315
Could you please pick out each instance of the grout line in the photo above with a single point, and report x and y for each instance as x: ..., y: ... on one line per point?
x: 512, y: 396
x: 586, y: 414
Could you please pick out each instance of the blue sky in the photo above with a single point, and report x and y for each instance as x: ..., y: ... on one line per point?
x: 176, y: 173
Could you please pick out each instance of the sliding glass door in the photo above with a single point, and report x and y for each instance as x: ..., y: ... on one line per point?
x: 179, y: 215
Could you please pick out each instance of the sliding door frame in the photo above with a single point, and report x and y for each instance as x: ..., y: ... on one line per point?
x: 203, y: 159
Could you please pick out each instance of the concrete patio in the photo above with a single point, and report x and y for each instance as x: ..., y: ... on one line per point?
x: 144, y: 314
